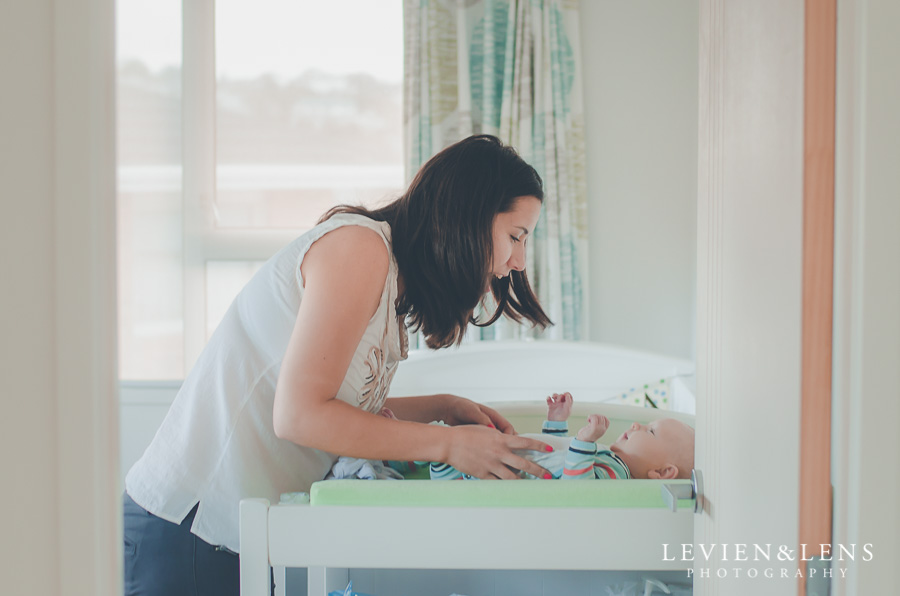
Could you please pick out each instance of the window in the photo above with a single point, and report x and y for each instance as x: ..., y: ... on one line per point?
x: 239, y: 124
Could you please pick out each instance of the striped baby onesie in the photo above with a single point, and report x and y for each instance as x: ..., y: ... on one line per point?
x: 571, y: 459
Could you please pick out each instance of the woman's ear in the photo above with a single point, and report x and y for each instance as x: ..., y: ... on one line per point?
x: 666, y: 472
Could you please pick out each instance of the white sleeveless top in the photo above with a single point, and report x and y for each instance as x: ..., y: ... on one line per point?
x: 217, y: 444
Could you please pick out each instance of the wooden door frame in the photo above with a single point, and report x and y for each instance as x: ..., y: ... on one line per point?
x: 820, y: 57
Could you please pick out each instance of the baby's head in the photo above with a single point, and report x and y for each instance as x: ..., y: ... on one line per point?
x: 663, y: 448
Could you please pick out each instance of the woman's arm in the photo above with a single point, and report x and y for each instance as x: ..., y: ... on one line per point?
x: 344, y: 274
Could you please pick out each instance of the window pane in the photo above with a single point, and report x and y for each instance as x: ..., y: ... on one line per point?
x: 309, y: 114
x: 148, y: 37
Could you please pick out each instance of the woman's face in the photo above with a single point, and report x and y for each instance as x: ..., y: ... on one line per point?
x: 511, y: 232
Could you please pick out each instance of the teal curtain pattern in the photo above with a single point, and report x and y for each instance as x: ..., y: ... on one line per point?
x: 509, y: 68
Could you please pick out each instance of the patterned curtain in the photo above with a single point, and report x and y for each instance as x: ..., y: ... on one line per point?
x: 509, y: 68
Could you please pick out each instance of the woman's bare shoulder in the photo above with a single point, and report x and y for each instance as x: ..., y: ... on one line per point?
x: 348, y: 250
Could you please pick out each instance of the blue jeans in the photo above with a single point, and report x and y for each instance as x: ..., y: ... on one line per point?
x: 164, y: 559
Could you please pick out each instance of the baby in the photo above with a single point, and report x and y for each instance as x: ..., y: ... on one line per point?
x: 663, y: 448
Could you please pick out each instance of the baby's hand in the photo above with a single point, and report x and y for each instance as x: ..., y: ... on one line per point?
x: 559, y: 406
x: 594, y: 429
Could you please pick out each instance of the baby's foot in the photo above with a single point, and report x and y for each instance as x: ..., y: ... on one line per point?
x: 387, y: 413
x: 559, y: 406
x: 594, y: 429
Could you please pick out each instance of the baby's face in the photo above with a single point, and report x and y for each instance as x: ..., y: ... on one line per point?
x: 648, y: 446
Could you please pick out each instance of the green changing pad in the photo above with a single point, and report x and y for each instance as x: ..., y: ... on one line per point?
x: 494, y: 493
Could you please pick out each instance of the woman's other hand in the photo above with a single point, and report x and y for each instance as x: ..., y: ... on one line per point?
x: 460, y: 410
x: 484, y: 453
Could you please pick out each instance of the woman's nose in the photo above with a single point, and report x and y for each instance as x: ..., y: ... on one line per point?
x: 517, y: 259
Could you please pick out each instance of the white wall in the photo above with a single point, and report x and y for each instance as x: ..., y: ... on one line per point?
x: 639, y: 62
x: 27, y: 446
x: 866, y: 445
x: 60, y: 497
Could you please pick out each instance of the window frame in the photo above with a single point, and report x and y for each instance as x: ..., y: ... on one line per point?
x: 202, y: 240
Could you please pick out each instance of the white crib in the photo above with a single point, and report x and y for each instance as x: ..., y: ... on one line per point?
x: 515, y: 377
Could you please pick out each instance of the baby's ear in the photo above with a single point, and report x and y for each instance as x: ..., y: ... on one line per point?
x: 666, y: 472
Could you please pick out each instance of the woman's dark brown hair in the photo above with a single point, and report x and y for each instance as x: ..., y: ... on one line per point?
x: 442, y: 236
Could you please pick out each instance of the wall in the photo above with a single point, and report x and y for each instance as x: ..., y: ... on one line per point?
x: 865, y: 444
x: 26, y: 316
x: 57, y: 309
x: 640, y: 71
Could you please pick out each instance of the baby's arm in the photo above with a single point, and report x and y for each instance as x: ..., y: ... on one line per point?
x: 580, y: 457
x: 559, y: 406
x: 597, y: 424
x: 555, y: 428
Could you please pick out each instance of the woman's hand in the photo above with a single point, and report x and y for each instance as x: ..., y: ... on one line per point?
x: 460, y: 410
x: 487, y: 454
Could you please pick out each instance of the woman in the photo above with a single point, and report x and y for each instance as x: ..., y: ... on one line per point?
x: 299, y: 368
